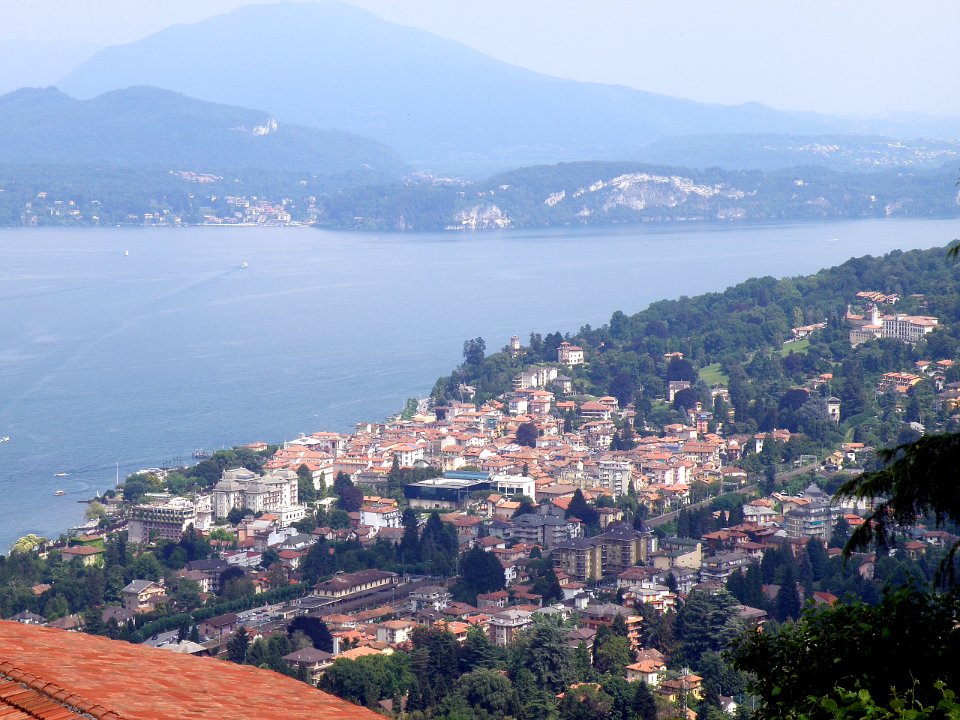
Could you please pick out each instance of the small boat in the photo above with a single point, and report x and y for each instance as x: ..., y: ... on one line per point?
x: 126, y: 253
x: 5, y: 438
x: 60, y: 474
x: 58, y: 493
x: 243, y: 264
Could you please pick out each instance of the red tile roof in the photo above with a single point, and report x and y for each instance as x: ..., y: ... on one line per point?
x: 111, y: 680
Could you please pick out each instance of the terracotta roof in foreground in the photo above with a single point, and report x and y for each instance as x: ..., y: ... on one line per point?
x: 62, y: 674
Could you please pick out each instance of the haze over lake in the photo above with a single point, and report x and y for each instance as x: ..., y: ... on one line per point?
x: 137, y: 346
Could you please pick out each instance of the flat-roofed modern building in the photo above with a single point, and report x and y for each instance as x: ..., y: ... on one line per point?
x: 444, y: 493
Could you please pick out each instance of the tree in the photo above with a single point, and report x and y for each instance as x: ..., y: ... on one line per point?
x: 905, y: 644
x: 916, y: 480
x: 315, y: 629
x: 585, y: 702
x: 707, y: 621
x: 95, y: 511
x: 478, y: 651
x: 547, y: 586
x: 474, y: 351
x: 395, y: 477
x: 841, y: 533
x: 579, y: 509
x: 238, y: 645
x: 685, y: 399
x: 656, y: 630
x: 819, y: 560
x: 681, y: 369
x: 612, y: 656
x: 488, y: 693
x: 409, y: 547
x: 527, y: 434
x: 544, y: 652
x: 306, y: 492
x: 788, y: 600
x: 644, y: 707
x: 480, y: 572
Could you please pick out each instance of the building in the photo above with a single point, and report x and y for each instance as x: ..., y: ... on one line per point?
x: 814, y: 519
x: 569, y: 354
x: 86, y: 555
x: 908, y: 328
x: 354, y: 585
x: 622, y: 546
x: 380, y: 516
x: 161, y: 520
x: 547, y: 531
x: 444, y: 493
x: 510, y: 485
x: 395, y: 632
x: 899, y: 381
x: 614, y: 475
x: 580, y: 558
x: 312, y: 661
x: 143, y: 595
x: 276, y: 493
x: 610, y: 553
x: 505, y: 626
x: 71, y: 676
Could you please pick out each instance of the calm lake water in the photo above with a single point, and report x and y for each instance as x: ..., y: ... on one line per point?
x: 137, y: 346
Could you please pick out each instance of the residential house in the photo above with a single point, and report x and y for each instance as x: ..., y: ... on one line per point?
x: 311, y: 661
x: 143, y: 595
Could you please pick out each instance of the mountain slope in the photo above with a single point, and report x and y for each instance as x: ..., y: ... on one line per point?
x: 438, y: 102
x: 149, y: 127
x: 599, y: 193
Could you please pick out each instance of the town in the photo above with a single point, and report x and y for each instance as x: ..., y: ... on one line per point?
x: 542, y: 522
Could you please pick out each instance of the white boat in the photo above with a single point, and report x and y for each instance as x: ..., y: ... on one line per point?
x: 243, y: 264
x: 60, y: 474
x: 5, y: 438
x: 58, y: 493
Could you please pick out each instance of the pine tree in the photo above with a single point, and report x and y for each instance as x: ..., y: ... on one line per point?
x: 644, y: 707
x: 840, y: 534
x: 238, y: 646
x: 788, y: 599
x: 409, y: 547
x: 818, y: 558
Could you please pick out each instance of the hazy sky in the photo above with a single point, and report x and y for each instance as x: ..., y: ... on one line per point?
x: 846, y: 56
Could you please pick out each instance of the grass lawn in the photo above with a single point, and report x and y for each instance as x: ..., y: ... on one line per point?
x: 713, y: 375
x: 800, y: 346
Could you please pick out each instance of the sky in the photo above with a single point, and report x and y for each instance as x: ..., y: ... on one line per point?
x: 834, y: 56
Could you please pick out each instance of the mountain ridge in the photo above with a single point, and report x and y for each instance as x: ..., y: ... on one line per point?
x: 150, y: 127
x: 438, y: 102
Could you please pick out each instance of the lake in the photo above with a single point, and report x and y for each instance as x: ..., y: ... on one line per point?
x: 133, y: 347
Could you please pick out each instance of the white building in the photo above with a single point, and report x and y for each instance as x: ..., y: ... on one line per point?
x: 510, y: 485
x: 380, y: 516
x: 161, y: 520
x: 570, y: 354
x: 276, y: 493
x: 614, y: 475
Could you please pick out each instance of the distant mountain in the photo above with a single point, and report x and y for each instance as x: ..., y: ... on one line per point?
x: 851, y: 153
x: 602, y: 193
x: 26, y: 63
x: 440, y: 103
x: 144, y: 127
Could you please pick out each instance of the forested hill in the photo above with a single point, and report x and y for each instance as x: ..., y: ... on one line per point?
x: 738, y: 339
x: 599, y: 193
x: 146, y: 127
